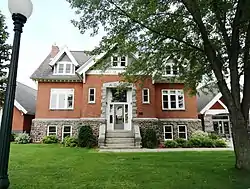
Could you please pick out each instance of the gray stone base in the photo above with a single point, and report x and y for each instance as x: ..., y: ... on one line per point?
x: 157, y: 124
x: 39, y: 127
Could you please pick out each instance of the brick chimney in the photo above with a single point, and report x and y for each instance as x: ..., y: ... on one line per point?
x: 54, y: 50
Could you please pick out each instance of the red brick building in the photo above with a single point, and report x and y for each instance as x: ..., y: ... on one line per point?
x: 73, y: 92
x: 24, y: 109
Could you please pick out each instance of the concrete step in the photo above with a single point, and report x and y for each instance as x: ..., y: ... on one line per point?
x: 119, y: 135
x: 119, y: 140
x: 120, y: 146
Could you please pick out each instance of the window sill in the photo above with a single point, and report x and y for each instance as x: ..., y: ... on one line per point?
x: 91, y: 102
x: 146, y: 103
x: 61, y: 109
x: 173, y: 109
x: 167, y: 139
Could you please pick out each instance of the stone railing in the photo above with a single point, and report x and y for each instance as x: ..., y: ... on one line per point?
x: 137, y: 135
x: 102, y: 133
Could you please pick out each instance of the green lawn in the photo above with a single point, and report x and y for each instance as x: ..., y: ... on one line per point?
x: 52, y: 166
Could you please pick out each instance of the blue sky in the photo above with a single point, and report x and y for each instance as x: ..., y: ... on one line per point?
x: 49, y: 24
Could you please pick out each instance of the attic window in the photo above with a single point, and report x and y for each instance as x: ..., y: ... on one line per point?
x: 64, y: 68
x: 117, y: 61
x: 170, y: 70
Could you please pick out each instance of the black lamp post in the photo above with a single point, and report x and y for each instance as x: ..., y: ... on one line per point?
x: 20, y: 10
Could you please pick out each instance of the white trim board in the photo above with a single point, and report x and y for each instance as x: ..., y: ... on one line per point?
x: 20, y: 107
x: 212, y: 102
x: 61, y: 52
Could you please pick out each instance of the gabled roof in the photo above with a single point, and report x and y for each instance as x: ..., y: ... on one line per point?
x: 205, y: 95
x: 25, y: 99
x: 45, y: 70
x: 66, y: 51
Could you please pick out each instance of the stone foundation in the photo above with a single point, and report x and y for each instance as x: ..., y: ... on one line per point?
x: 157, y: 124
x: 39, y: 127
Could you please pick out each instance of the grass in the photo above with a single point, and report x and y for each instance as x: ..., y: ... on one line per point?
x: 53, y: 167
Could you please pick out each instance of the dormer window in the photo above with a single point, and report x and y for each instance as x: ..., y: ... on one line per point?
x: 170, y: 70
x: 119, y: 62
x: 64, y: 68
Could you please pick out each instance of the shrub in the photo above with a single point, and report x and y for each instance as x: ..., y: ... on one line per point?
x: 161, y: 146
x: 181, y: 142
x: 214, y: 136
x: 199, y: 134
x: 171, y: 144
x: 52, y: 139
x: 220, y: 143
x: 208, y: 143
x: 194, y: 142
x: 86, y: 137
x: 22, y: 138
x: 70, y: 142
x: 149, y: 139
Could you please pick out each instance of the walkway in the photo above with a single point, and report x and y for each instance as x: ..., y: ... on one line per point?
x: 166, y: 150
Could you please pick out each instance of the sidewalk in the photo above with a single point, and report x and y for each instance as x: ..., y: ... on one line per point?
x: 166, y: 150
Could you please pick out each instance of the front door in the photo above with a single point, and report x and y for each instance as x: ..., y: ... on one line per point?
x: 119, y: 111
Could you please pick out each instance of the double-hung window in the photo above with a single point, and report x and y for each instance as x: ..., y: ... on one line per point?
x: 182, y: 131
x: 170, y: 69
x: 119, y: 61
x: 168, y: 132
x: 62, y: 99
x: 52, y: 130
x: 145, y: 96
x: 66, y: 131
x: 64, y: 68
x: 173, y: 100
x: 91, y: 95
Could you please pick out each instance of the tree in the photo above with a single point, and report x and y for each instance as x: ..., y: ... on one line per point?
x: 4, y: 57
x: 206, y: 38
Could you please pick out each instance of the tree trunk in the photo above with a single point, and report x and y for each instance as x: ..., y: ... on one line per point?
x: 241, y: 141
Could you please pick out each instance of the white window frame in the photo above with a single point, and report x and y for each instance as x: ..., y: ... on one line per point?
x: 119, y: 61
x: 92, y: 102
x: 182, y: 132
x: 145, y: 102
x: 177, y: 91
x: 48, y: 129
x: 64, y: 91
x: 172, y: 131
x: 64, y: 63
x: 171, y: 70
x: 66, y: 132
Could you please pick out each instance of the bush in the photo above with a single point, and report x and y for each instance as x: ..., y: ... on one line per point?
x: 12, y: 137
x: 22, y: 138
x: 70, y: 142
x: 171, y: 144
x: 199, y: 134
x: 52, y: 139
x: 86, y: 137
x: 214, y: 136
x: 194, y: 142
x: 181, y: 142
x: 207, y: 143
x: 220, y: 143
x: 149, y: 139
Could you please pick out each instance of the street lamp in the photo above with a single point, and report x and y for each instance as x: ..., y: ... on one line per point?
x: 20, y: 10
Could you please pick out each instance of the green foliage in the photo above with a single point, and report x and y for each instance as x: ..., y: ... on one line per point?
x: 22, y: 138
x: 220, y: 143
x: 4, y: 57
x: 51, y: 139
x: 86, y: 137
x: 214, y: 136
x: 70, y: 142
x: 199, y: 134
x: 171, y: 144
x: 181, y: 142
x: 149, y: 138
x: 195, y: 142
